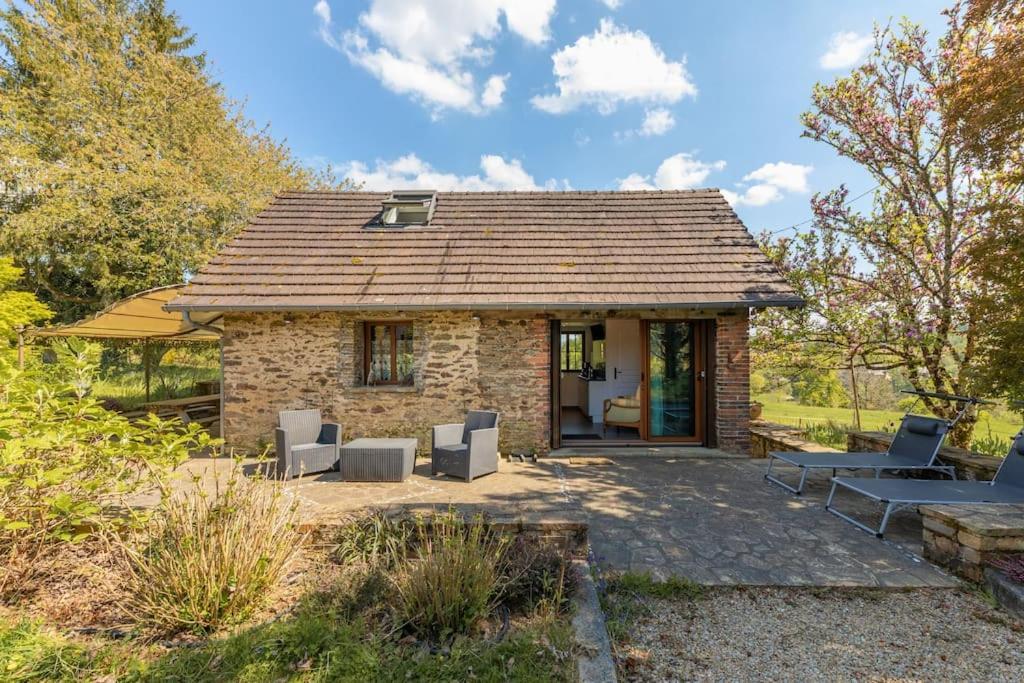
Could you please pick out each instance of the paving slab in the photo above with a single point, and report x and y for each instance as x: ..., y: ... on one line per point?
x: 717, y: 521
x: 712, y: 520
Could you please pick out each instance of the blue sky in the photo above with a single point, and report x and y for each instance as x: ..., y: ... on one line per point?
x: 591, y: 94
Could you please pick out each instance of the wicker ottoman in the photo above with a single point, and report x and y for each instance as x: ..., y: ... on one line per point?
x: 378, y: 459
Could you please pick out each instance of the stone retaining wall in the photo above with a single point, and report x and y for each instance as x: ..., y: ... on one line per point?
x: 969, y: 465
x: 964, y: 538
x: 768, y: 436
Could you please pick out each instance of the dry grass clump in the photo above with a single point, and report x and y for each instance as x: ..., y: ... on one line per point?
x: 209, y: 559
x: 451, y: 579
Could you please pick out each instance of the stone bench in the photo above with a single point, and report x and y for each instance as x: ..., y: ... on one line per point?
x: 969, y: 465
x: 964, y: 538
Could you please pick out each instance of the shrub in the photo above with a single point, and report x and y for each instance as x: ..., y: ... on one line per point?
x: 1012, y: 566
x: 991, y: 444
x: 211, y: 559
x: 376, y: 539
x: 451, y: 578
x: 67, y: 464
x: 830, y: 433
x: 539, y: 577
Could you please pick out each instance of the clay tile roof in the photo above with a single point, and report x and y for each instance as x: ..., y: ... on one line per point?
x: 492, y: 250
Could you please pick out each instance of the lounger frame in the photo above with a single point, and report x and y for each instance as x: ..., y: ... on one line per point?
x: 1010, y: 491
x: 932, y: 464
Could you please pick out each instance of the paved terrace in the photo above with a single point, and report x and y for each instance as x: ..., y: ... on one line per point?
x: 693, y: 514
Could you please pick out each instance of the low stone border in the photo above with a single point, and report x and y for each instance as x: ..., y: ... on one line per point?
x: 595, y: 663
x: 566, y: 531
x: 766, y: 437
x: 1009, y: 594
x: 965, y: 538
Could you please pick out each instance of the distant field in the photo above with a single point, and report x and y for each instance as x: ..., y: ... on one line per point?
x: 777, y: 409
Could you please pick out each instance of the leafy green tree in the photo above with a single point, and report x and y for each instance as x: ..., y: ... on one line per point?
x: 123, y: 165
x: 819, y: 388
x: 17, y: 309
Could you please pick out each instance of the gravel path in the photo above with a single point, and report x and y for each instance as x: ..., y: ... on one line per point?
x: 748, y: 634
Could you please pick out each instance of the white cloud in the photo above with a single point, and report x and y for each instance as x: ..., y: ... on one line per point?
x: 410, y: 171
x: 426, y: 48
x: 784, y: 175
x: 773, y: 180
x: 678, y: 172
x: 494, y: 91
x: 755, y: 195
x: 612, y: 4
x: 635, y: 181
x: 845, y: 49
x: 657, y: 122
x: 611, y: 66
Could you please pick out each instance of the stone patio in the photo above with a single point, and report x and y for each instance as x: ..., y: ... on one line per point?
x: 711, y: 519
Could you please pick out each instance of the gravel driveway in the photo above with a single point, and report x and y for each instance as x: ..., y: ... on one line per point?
x: 747, y: 634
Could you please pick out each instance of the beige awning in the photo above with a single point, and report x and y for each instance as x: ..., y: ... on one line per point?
x: 140, y: 316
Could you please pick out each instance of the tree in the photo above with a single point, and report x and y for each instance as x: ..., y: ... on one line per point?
x: 18, y: 310
x: 903, y: 270
x: 987, y: 107
x: 835, y: 329
x: 123, y: 166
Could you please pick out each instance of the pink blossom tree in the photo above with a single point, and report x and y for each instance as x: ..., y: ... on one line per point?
x: 893, y: 286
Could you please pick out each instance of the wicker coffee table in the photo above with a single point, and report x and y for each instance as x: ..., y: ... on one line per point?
x: 378, y: 459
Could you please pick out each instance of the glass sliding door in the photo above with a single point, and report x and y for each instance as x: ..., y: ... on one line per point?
x: 674, y: 400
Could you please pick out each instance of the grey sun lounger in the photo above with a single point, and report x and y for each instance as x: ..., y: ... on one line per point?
x: 915, y: 447
x: 896, y: 494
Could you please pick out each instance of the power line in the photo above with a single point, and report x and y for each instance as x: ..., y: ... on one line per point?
x: 810, y: 220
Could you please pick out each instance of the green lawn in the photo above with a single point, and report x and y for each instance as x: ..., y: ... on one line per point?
x: 780, y: 410
x: 128, y: 386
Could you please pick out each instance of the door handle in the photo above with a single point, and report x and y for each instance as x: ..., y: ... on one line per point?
x: 703, y: 374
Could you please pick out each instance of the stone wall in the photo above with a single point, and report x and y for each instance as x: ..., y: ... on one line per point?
x: 732, y: 380
x: 276, y: 361
x: 766, y: 437
x: 965, y: 538
x: 969, y: 465
x: 463, y: 360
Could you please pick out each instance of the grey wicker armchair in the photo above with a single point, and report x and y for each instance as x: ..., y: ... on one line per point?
x: 305, y: 444
x: 467, y: 450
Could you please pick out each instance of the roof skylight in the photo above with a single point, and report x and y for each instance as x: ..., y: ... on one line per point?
x: 408, y: 207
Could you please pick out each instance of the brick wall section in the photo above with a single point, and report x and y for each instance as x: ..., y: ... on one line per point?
x: 514, y: 358
x: 732, y: 382
x: 275, y: 362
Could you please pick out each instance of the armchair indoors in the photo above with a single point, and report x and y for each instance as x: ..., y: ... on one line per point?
x: 305, y: 444
x: 622, y: 411
x: 467, y: 450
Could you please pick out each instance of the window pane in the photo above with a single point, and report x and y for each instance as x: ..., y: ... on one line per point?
x: 572, y: 351
x: 404, y: 355
x: 380, y: 354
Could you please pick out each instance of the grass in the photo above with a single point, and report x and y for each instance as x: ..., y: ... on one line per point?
x: 211, y: 559
x: 127, y: 386
x: 623, y: 602
x: 317, y: 643
x: 992, y: 433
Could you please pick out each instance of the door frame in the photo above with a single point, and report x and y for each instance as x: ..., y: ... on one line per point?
x: 699, y: 329
x: 555, y: 380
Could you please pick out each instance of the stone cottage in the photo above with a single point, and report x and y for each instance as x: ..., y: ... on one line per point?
x: 583, y: 317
